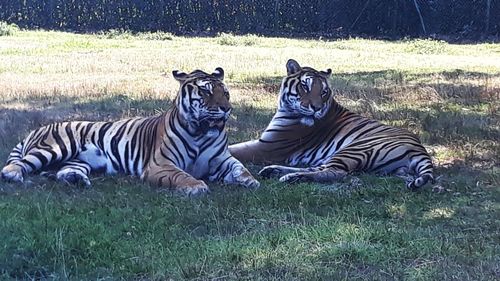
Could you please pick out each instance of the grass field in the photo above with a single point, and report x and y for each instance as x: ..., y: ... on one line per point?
x: 365, y: 227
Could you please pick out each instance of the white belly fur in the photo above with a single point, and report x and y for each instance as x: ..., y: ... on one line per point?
x: 96, y: 158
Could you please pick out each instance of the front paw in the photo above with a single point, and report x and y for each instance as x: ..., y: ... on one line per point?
x: 72, y: 176
x: 242, y: 176
x: 293, y: 178
x: 250, y: 182
x: 12, y: 173
x: 194, y: 188
x: 271, y: 171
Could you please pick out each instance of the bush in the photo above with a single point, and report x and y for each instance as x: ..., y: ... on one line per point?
x: 7, y: 29
x: 124, y: 34
x: 116, y: 34
x: 226, y: 39
x: 233, y: 40
x: 158, y: 35
x: 426, y: 47
x: 250, y: 39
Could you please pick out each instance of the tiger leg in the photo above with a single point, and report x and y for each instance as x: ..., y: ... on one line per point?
x: 278, y: 171
x: 16, y: 154
x: 421, y: 165
x: 406, y: 159
x: 320, y: 175
x: 34, y: 160
x: 170, y: 176
x: 339, y: 166
x: 74, y: 172
x: 13, y: 172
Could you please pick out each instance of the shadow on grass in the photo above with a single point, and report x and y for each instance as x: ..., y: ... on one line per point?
x: 444, y: 124
x: 387, y: 86
x: 461, y: 87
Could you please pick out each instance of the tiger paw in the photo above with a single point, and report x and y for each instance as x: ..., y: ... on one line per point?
x: 242, y: 176
x: 249, y: 182
x: 49, y: 175
x: 194, y: 188
x: 73, y: 177
x: 293, y: 178
x: 13, y: 173
x: 271, y: 171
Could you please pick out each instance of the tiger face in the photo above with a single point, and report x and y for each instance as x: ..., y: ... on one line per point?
x: 203, y: 101
x: 305, y: 92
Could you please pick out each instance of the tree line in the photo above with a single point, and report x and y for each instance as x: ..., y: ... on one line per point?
x: 392, y: 18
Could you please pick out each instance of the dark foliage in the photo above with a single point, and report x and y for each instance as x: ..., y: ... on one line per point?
x: 388, y: 18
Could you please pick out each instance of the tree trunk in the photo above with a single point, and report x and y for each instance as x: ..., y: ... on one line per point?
x: 488, y: 8
x: 420, y: 16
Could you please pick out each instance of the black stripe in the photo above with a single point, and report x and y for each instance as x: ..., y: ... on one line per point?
x: 126, y: 157
x: 71, y: 137
x: 32, y: 166
x: 102, y: 131
x: 400, y: 157
x: 60, y: 143
x: 115, y: 141
x: 341, y: 141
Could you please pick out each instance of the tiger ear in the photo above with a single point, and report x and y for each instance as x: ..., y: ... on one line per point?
x: 292, y: 66
x: 218, y: 73
x: 180, y: 76
x: 326, y: 73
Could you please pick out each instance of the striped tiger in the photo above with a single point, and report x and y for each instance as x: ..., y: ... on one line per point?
x: 177, y: 149
x: 312, y: 130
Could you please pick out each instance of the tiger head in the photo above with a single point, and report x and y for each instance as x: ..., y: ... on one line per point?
x: 305, y: 92
x: 203, y: 101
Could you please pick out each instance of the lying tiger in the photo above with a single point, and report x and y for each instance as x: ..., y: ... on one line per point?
x: 176, y: 149
x: 310, y: 128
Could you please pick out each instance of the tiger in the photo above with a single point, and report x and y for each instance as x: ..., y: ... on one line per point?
x: 321, y: 141
x: 177, y: 149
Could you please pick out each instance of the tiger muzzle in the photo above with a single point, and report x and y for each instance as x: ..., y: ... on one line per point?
x: 212, y: 123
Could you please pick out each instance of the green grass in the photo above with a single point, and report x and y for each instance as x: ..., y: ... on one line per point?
x: 364, y: 227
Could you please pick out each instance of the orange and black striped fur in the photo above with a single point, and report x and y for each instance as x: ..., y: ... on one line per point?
x: 311, y: 129
x: 177, y: 149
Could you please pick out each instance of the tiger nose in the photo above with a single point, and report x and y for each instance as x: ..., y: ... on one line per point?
x: 225, y: 108
x: 315, y: 107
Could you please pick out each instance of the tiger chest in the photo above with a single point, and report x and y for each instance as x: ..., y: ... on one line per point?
x: 195, y: 155
x: 199, y: 167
